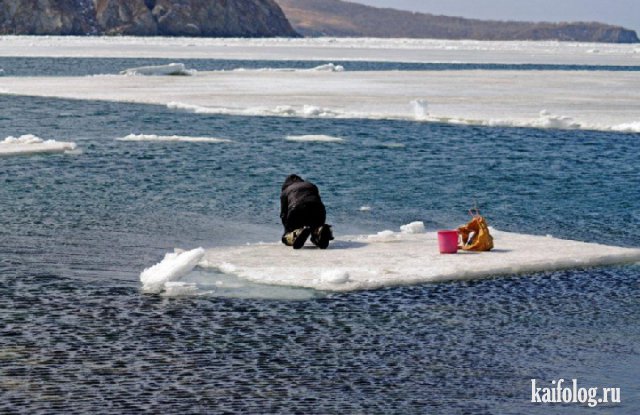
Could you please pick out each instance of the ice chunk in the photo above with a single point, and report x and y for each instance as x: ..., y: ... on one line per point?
x: 413, y: 227
x: 315, y: 138
x: 174, y: 266
x: 365, y: 208
x: 361, y: 262
x: 631, y: 127
x: 170, y: 69
x: 329, y: 67
x: 31, y: 144
x: 548, y: 120
x: 420, y: 108
x: 314, y: 111
x: 334, y: 276
x: 178, y: 138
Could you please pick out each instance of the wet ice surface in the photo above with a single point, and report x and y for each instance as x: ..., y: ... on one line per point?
x: 374, y: 261
x: 357, y: 263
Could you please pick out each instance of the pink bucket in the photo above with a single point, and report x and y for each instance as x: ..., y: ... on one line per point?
x: 448, y: 242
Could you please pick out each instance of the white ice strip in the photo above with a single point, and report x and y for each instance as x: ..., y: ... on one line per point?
x: 31, y: 144
x: 314, y: 138
x: 172, y: 138
x: 362, y: 263
x: 324, y: 49
x: 160, y: 70
x: 328, y: 67
x: 606, y: 101
x: 174, y: 266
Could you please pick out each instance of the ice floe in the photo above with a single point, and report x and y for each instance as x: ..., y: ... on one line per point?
x: 323, y: 49
x: 172, y: 138
x: 400, y: 258
x: 586, y: 100
x: 160, y: 70
x: 363, y: 262
x: 320, y: 138
x: 31, y: 144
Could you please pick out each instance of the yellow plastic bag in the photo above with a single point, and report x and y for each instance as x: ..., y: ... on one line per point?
x: 475, y: 236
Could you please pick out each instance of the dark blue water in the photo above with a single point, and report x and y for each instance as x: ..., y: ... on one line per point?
x: 26, y: 66
x: 78, y: 336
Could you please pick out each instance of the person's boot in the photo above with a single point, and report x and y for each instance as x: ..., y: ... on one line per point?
x: 321, y: 236
x: 296, y: 238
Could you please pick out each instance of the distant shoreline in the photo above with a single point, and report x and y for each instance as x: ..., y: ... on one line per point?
x: 343, y: 18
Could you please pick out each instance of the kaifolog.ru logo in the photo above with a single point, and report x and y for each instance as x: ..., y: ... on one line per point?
x: 558, y: 393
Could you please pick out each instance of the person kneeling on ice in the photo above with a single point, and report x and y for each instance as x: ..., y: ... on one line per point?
x: 303, y: 214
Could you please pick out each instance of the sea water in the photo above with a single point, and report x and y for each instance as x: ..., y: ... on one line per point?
x: 81, y: 66
x: 79, y: 335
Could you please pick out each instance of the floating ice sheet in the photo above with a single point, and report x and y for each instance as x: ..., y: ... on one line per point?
x: 30, y: 144
x: 324, y: 49
x: 401, y: 258
x: 320, y: 138
x: 172, y: 138
x: 587, y: 100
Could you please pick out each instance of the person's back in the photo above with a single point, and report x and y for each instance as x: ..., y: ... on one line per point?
x: 303, y: 214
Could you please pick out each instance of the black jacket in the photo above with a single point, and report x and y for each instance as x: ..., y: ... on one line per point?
x: 297, y: 193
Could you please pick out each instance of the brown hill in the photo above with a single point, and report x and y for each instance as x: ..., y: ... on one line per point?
x: 344, y: 19
x: 243, y: 18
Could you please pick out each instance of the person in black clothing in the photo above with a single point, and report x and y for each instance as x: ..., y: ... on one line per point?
x: 303, y: 214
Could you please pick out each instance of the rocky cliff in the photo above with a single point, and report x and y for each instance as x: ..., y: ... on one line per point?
x: 342, y: 18
x: 242, y: 18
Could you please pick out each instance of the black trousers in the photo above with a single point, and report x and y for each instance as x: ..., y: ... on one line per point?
x: 308, y: 214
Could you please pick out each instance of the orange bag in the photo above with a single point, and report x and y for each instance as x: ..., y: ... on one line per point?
x: 477, y: 228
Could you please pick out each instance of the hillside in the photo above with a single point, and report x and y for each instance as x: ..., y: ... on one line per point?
x: 211, y: 18
x: 341, y: 19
